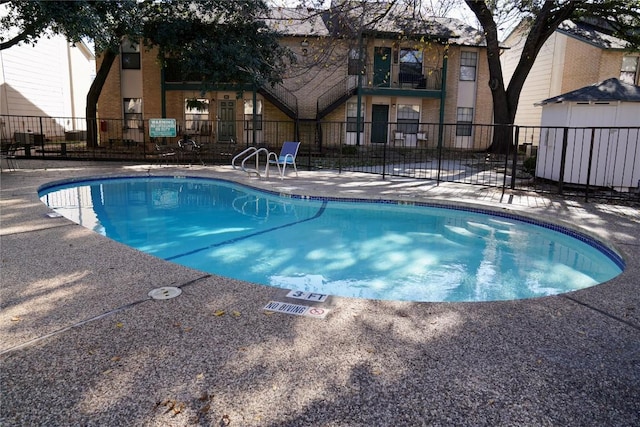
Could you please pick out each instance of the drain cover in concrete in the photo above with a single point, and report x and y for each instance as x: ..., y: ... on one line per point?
x: 166, y: 292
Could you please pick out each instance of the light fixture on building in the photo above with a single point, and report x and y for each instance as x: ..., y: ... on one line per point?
x: 304, y: 43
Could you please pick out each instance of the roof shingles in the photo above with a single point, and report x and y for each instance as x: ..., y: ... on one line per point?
x: 607, y: 90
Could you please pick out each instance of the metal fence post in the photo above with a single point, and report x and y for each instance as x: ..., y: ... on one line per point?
x: 42, y: 138
x: 342, y: 124
x: 593, y: 137
x: 563, y: 158
x: 514, y: 166
x: 384, y: 160
x: 144, y: 140
x: 440, y: 146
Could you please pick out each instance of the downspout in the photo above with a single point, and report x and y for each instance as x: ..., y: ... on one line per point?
x: 443, y: 95
x: 71, y: 93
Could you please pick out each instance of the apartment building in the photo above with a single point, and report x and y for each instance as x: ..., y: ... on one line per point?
x: 390, y: 81
x: 578, y: 54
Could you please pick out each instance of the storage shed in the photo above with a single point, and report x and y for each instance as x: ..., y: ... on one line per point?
x: 601, y: 126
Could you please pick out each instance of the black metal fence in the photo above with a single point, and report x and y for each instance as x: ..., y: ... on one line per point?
x: 602, y: 163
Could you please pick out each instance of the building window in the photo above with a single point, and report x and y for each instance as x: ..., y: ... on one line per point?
x: 408, y: 118
x: 410, y: 66
x: 196, y: 116
x: 468, y: 61
x: 130, y: 54
x: 132, y: 113
x: 248, y: 114
x: 629, y: 69
x: 465, y: 117
x: 352, y: 117
x: 355, y: 64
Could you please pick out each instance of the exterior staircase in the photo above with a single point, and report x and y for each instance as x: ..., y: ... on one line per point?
x: 282, y: 98
x: 336, y: 95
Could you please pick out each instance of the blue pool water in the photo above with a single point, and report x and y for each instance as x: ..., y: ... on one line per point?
x: 374, y: 250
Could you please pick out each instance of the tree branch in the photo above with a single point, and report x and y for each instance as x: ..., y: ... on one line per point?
x: 28, y: 32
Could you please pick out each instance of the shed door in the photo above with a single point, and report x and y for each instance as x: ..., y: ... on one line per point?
x: 607, y: 154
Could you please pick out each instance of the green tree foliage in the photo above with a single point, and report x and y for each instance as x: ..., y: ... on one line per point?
x: 220, y: 41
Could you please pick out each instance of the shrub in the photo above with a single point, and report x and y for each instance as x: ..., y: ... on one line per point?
x: 349, y: 150
x: 529, y: 165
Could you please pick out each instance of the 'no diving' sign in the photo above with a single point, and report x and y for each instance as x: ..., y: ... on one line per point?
x: 297, y: 309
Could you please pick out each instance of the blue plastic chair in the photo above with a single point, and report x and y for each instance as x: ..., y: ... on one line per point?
x: 287, y: 156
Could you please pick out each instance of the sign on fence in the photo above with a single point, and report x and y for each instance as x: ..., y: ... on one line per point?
x: 161, y: 128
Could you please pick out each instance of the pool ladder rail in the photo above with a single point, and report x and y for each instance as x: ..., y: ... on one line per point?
x: 253, y: 152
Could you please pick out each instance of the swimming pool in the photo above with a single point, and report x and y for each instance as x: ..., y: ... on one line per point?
x: 355, y: 248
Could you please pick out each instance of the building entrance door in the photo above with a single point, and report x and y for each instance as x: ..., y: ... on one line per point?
x: 379, y: 123
x: 382, y: 67
x: 226, y: 121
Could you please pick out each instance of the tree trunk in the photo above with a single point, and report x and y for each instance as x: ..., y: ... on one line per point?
x: 505, y: 101
x: 502, y: 110
x: 108, y: 57
x: 503, y: 118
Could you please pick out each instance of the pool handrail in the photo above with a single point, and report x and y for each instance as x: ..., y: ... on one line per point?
x: 237, y: 156
x: 253, y: 152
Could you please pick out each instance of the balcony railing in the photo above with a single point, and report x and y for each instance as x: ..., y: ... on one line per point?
x: 431, y: 79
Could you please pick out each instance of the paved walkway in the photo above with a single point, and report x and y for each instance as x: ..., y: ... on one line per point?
x: 81, y: 343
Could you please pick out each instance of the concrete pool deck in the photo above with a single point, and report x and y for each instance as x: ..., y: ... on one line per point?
x: 81, y: 343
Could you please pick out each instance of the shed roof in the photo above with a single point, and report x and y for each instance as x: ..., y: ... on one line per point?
x: 607, y: 90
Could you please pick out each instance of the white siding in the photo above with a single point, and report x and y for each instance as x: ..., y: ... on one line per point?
x: 539, y: 81
x: 37, y: 80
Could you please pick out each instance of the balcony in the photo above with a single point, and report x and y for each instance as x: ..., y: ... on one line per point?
x: 399, y: 83
x: 427, y: 85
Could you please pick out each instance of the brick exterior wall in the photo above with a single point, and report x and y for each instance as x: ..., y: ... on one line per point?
x: 610, y: 64
x: 151, y: 83
x: 586, y: 64
x: 308, y: 79
x: 484, y: 99
x: 581, y: 65
x: 110, y: 100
